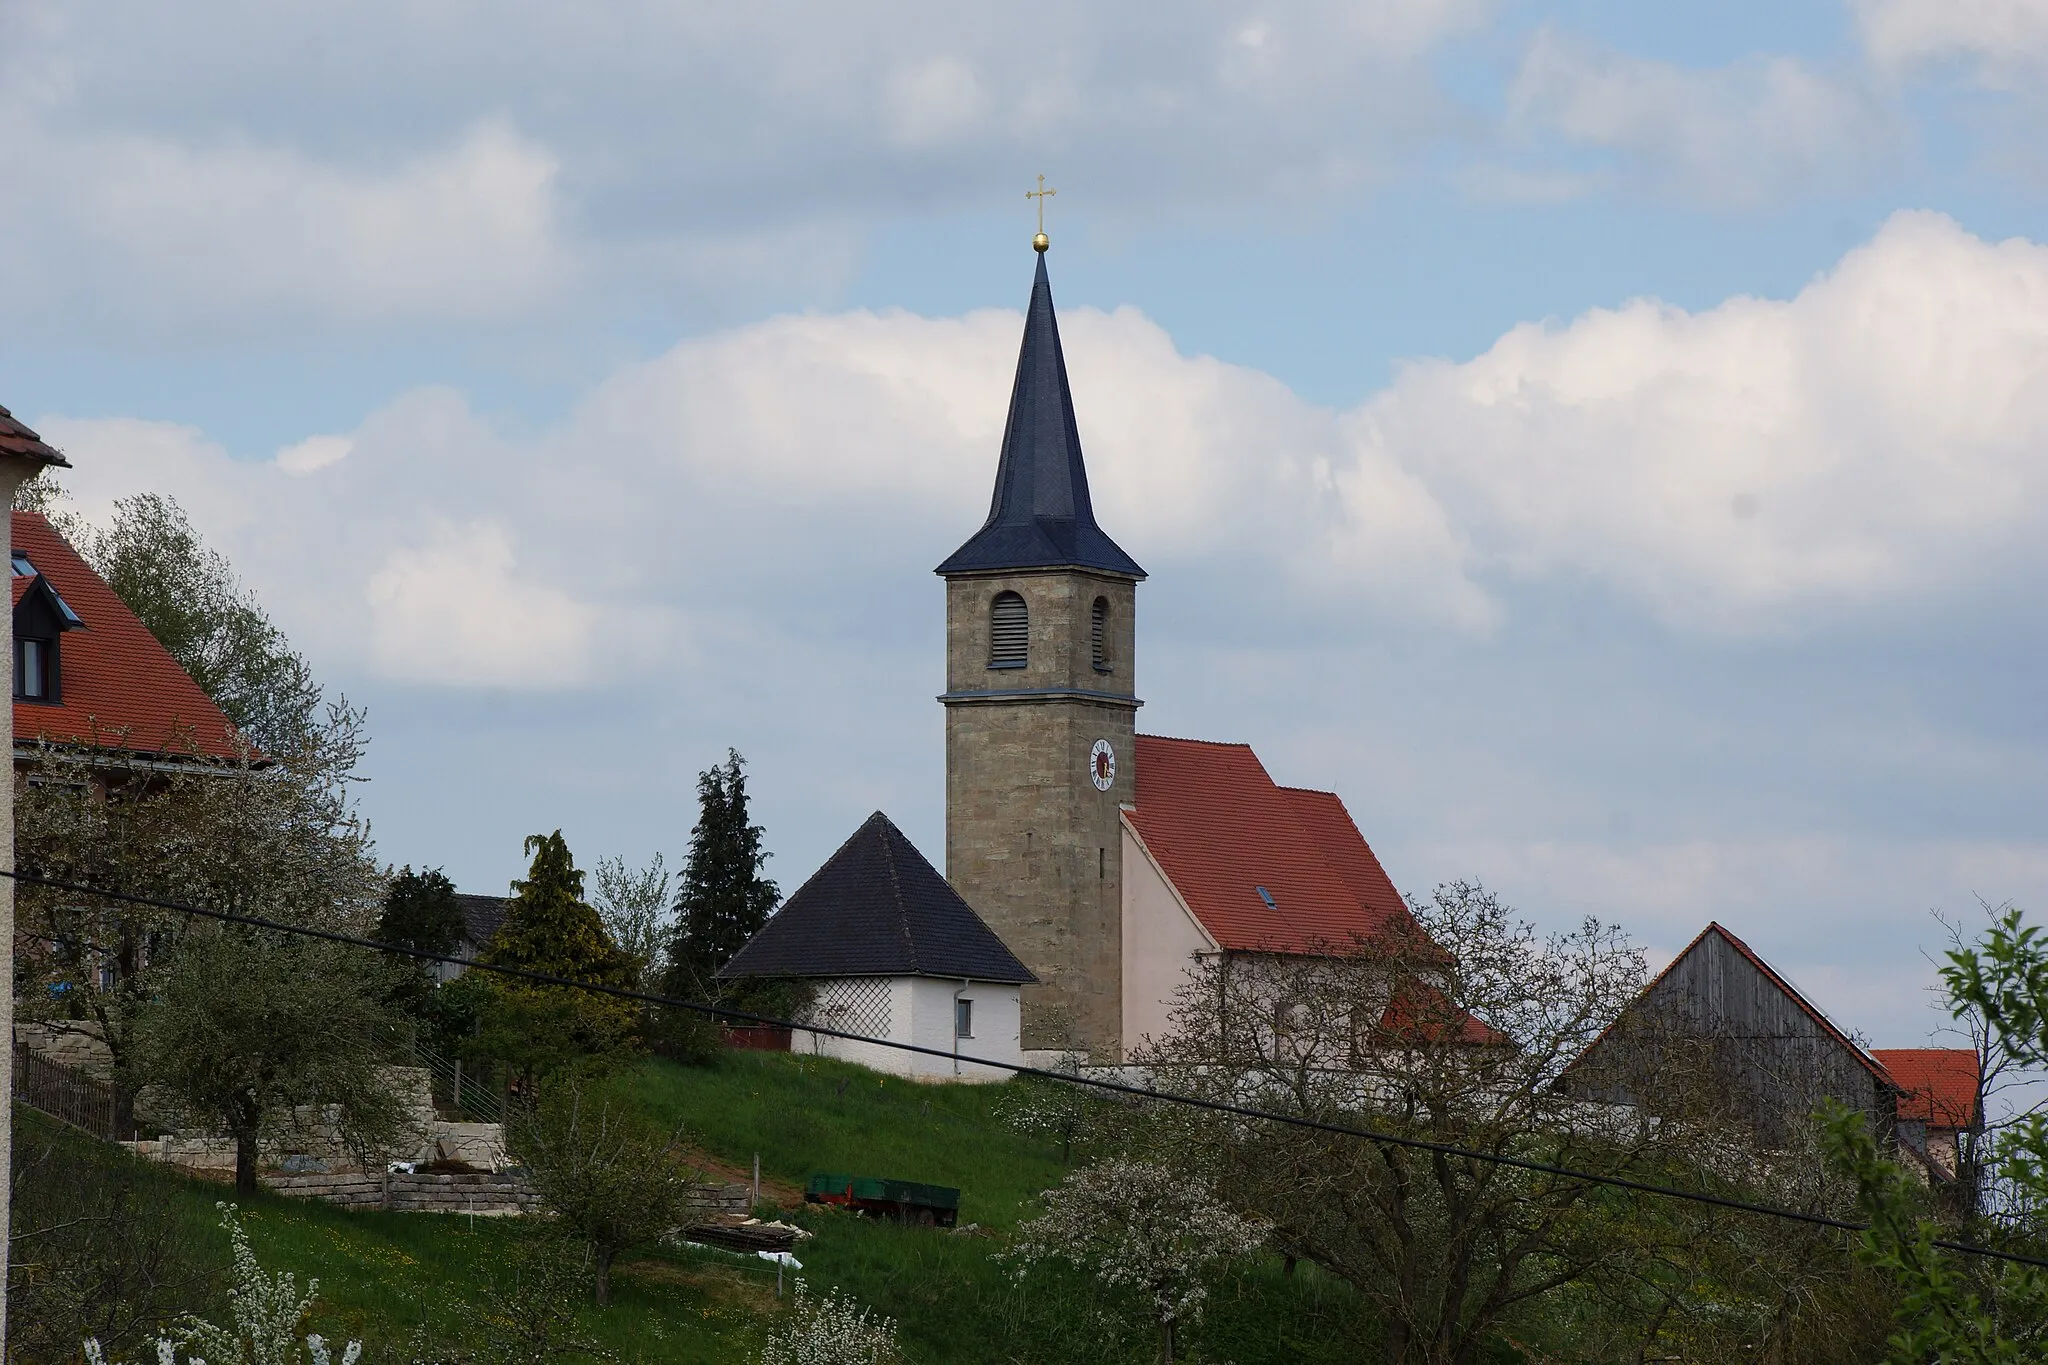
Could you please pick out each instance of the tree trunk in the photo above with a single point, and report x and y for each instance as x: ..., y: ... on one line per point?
x: 245, y: 1161
x: 1166, y: 1341
x: 601, y: 1262
x: 124, y: 1109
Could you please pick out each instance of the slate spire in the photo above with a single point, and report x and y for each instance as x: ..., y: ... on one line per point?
x: 1040, y: 517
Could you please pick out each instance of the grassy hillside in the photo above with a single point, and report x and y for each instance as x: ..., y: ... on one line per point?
x: 383, y: 1275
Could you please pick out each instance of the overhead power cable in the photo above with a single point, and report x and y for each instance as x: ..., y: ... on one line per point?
x: 1097, y: 1083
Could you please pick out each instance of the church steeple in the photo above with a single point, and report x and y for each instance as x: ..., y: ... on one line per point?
x: 1041, y: 712
x: 1040, y: 517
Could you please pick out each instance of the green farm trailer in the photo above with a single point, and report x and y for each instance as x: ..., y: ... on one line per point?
x: 906, y: 1201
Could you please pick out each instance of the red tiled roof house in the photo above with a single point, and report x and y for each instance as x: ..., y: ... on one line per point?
x: 1218, y: 859
x: 87, y: 673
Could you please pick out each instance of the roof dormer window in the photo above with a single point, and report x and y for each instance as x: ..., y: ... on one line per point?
x: 40, y: 619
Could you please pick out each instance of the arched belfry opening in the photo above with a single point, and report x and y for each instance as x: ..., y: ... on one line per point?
x: 1009, y: 631
x: 1098, y: 635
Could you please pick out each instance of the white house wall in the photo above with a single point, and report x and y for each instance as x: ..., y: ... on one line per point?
x: 872, y: 1055
x: 996, y: 1036
x: 1161, y: 941
x: 921, y: 1013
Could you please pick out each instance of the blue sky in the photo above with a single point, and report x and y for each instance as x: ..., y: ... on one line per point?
x: 1607, y: 443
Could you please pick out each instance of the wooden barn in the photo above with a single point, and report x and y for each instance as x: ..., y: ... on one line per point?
x: 1743, y: 1036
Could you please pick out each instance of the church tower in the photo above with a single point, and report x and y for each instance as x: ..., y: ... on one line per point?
x: 1041, y: 708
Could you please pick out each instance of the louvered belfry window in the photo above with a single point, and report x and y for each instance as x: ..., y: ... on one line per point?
x: 1099, y: 634
x: 1009, y: 640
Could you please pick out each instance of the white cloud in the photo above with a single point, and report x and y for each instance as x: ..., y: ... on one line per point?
x: 935, y: 102
x: 155, y: 229
x: 463, y: 610
x: 314, y: 453
x: 1880, y: 437
x: 2004, y: 41
x: 1728, y: 137
x: 413, y: 162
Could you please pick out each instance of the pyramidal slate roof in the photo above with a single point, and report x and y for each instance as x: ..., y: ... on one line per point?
x: 1040, y: 517
x: 877, y: 908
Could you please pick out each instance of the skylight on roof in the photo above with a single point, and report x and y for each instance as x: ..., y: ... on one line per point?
x: 1267, y: 897
x: 24, y: 568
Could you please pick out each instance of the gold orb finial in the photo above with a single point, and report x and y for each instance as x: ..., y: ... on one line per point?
x: 1041, y: 194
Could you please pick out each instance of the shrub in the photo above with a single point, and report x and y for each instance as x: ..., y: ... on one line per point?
x: 267, y: 1310
x: 832, y: 1330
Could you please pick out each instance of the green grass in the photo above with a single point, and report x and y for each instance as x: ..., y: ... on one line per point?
x: 382, y: 1275
x: 810, y: 1114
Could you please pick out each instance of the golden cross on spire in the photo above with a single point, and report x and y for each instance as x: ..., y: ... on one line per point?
x: 1041, y: 194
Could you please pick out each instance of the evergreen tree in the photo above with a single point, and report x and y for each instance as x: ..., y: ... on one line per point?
x: 723, y: 900
x: 420, y: 911
x: 550, y: 928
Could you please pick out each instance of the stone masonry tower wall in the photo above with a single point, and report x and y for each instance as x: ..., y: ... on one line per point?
x: 1031, y: 842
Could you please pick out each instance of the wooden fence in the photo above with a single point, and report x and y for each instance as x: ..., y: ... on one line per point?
x: 69, y: 1094
x: 754, y: 1037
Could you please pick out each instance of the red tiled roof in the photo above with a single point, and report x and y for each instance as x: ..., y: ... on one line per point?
x: 17, y: 439
x: 1221, y: 828
x: 1941, y: 1084
x: 115, y: 676
x: 1418, y: 1013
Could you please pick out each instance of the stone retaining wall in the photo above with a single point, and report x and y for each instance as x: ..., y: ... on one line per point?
x: 492, y: 1195
x: 349, y: 1191
x: 487, y: 1194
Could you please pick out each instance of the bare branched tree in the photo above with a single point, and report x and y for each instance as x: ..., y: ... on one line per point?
x: 1453, y: 1027
x: 635, y: 906
x: 273, y: 835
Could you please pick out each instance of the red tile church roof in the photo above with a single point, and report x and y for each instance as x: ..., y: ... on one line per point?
x: 119, y: 686
x: 1940, y: 1084
x: 1221, y: 829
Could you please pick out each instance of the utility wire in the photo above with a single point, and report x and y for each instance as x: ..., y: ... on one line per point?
x: 1063, y: 1077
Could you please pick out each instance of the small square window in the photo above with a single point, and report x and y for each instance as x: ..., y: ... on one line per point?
x: 963, y: 1018
x: 22, y: 568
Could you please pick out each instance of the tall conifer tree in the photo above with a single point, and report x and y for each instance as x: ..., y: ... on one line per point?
x: 550, y: 928
x: 722, y: 899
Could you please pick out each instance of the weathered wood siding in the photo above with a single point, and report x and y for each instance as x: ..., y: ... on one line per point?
x: 1768, y: 1056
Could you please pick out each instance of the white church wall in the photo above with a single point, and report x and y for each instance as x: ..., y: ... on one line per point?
x: 1161, y: 940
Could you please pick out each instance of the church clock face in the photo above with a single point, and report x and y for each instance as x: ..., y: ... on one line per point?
x: 1102, y: 765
